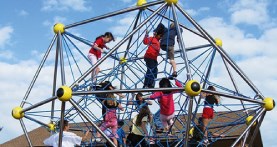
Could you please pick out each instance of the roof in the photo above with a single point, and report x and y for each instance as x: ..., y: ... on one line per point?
x: 234, y: 120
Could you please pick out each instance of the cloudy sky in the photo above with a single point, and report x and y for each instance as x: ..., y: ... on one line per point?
x: 246, y: 27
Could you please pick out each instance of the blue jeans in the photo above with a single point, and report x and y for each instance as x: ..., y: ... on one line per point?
x: 157, y: 120
x: 151, y: 73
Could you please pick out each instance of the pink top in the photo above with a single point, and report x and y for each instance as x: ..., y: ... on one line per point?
x: 166, y: 100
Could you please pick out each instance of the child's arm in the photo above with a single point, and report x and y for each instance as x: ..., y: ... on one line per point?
x: 120, y: 95
x: 146, y: 38
x: 130, y: 102
x: 95, y: 46
x: 85, y: 136
x: 217, y: 99
x: 120, y: 107
x: 149, y: 102
x: 155, y: 95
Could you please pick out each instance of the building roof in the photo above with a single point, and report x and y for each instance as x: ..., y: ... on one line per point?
x: 231, y: 124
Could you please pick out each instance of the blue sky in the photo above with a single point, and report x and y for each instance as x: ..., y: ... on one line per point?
x: 247, y: 29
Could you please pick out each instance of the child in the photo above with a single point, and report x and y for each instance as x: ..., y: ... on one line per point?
x: 167, y: 44
x: 140, y: 102
x: 110, y: 120
x: 208, y: 111
x: 150, y: 58
x: 106, y: 85
x: 139, y: 127
x: 121, y: 135
x: 96, y: 50
x: 165, y: 98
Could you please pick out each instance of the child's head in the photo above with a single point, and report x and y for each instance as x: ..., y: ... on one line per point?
x: 165, y: 83
x: 159, y: 34
x: 120, y: 123
x: 111, y: 101
x: 139, y: 96
x: 211, y: 88
x: 108, y: 36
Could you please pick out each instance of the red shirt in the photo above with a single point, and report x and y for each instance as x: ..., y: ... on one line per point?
x: 100, y: 43
x: 153, y: 49
x: 166, y: 100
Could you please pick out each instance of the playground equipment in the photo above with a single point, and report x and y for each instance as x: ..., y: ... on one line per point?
x: 199, y: 65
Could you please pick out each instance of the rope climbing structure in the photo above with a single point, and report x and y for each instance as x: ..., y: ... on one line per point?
x: 242, y: 106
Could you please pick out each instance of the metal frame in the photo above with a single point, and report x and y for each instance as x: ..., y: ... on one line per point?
x: 174, y: 7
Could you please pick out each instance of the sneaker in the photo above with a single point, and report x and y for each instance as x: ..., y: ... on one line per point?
x: 174, y: 74
x: 152, y: 142
x: 206, y: 142
x: 96, y: 140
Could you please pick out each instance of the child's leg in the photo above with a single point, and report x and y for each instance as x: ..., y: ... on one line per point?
x: 164, y: 121
x: 114, y: 141
x: 93, y: 60
x: 103, y: 127
x: 171, y: 60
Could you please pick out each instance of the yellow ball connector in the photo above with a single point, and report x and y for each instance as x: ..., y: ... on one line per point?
x: 58, y: 27
x: 17, y: 113
x: 64, y: 93
x: 192, y: 88
x: 171, y: 1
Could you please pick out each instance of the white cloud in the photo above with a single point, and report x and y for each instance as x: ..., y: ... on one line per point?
x: 5, y: 33
x: 23, y: 13
x: 5, y: 54
x: 64, y: 5
x: 252, y: 12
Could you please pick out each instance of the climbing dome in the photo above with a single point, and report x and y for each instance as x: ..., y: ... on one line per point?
x: 201, y: 62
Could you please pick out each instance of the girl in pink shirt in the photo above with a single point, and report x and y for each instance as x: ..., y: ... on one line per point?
x: 165, y: 98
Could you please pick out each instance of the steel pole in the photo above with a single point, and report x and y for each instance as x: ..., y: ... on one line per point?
x: 257, y: 129
x: 220, y: 50
x: 54, y: 83
x: 39, y: 104
x: 248, y: 127
x: 38, y: 71
x: 25, y: 132
x: 91, y: 122
x: 114, y: 13
x: 232, y: 96
x: 61, y: 124
x: 181, y: 41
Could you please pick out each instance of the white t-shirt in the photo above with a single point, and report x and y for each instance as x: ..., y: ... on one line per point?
x: 69, y: 140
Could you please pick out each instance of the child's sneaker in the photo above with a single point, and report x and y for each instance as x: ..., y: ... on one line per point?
x: 174, y: 74
x: 96, y: 140
x: 206, y: 142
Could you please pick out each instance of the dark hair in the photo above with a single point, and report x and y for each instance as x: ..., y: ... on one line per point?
x: 65, y: 123
x: 200, y: 120
x: 160, y: 29
x: 144, y: 111
x: 165, y: 83
x: 120, y: 123
x: 108, y: 34
x: 137, y: 99
x: 211, y: 88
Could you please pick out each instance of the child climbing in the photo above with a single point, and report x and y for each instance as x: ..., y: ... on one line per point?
x: 167, y: 44
x: 150, y: 58
x: 165, y: 99
x: 96, y: 51
x: 110, y: 120
x: 208, y: 111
